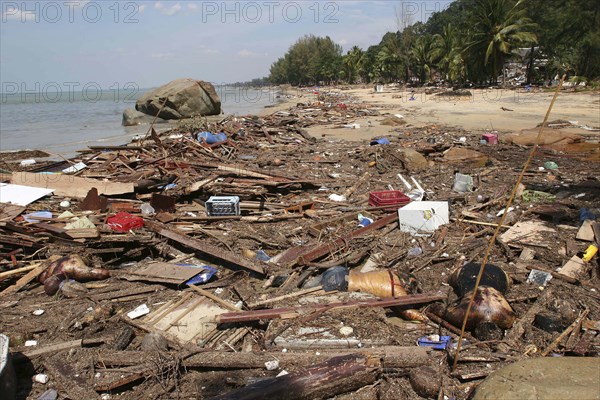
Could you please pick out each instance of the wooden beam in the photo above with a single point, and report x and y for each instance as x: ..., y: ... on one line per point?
x: 205, y: 248
x: 293, y: 312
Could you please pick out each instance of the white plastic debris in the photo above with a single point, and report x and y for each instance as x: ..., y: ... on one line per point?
x: 337, y: 197
x: 272, y: 365
x: 74, y: 168
x: 502, y: 211
x: 30, y: 343
x: 38, y: 312
x: 65, y: 204
x: 346, y: 331
x: 27, y: 162
x: 139, y: 311
x: 282, y: 373
x: 41, y: 378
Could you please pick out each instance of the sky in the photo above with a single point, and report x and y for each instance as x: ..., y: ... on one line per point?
x: 70, y: 45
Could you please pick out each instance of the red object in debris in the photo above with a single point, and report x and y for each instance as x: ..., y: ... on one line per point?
x: 124, y: 222
x: 491, y: 138
x: 392, y: 198
x: 343, y: 106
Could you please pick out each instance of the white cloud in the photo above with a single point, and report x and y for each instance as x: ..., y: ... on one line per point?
x: 248, y: 53
x: 206, y: 50
x: 192, y: 6
x: 342, y: 42
x: 167, y: 10
x: 142, y: 8
x: 162, y: 56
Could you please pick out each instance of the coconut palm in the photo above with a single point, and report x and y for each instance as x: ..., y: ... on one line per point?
x: 351, y: 62
x: 420, y: 57
x: 498, y: 27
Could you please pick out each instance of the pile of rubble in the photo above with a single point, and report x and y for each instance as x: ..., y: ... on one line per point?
x: 246, y: 257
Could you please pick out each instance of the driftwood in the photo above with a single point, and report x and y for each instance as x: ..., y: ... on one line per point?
x: 335, y: 376
x: 391, y: 356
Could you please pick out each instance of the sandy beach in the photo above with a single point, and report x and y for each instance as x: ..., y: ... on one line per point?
x: 503, y: 110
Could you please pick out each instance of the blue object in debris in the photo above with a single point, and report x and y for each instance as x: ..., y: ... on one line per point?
x: 584, y: 214
x: 382, y: 140
x: 262, y: 256
x: 435, y: 341
x: 202, y: 277
x: 211, y: 138
x: 40, y: 214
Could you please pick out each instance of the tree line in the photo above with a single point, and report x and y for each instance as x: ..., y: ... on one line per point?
x: 469, y: 41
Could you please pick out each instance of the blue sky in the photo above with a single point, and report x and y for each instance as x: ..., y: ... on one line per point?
x: 149, y: 43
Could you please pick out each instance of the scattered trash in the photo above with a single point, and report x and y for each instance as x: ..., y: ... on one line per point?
x: 423, y: 216
x: 383, y: 140
x: 124, y: 222
x: 550, y: 165
x: 388, y: 200
x: 33, y: 217
x: 589, y: 253
x: 41, y: 378
x: 436, y: 342
x: 74, y: 168
x: 217, y: 206
x: 139, y: 311
x: 38, y: 312
x: 272, y: 365
x: 49, y: 394
x: 337, y: 197
x: 211, y: 138
x: 346, y: 331
x: 540, y: 278
x: 462, y: 183
x: 490, y: 138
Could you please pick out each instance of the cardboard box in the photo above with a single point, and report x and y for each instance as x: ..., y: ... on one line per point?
x: 423, y: 216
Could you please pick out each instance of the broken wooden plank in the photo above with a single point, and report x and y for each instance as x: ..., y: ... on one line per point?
x: 54, y: 348
x: 69, y: 185
x: 293, y: 312
x: 205, y: 248
x: 339, y: 243
x: 217, y: 299
x: 24, y: 280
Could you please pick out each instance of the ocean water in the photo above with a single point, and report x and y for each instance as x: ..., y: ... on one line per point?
x: 62, y: 123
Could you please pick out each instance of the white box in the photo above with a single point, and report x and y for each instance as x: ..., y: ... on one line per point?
x: 423, y: 216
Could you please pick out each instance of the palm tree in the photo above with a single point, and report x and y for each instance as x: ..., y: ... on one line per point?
x: 498, y: 27
x: 446, y: 53
x: 352, y: 61
x: 420, y: 57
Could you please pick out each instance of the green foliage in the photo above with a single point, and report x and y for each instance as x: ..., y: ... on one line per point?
x: 310, y: 60
x: 468, y: 41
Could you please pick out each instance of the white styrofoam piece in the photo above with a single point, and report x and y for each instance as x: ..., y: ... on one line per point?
x: 21, y: 195
x: 423, y: 216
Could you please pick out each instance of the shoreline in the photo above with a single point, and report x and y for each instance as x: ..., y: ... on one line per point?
x: 503, y: 110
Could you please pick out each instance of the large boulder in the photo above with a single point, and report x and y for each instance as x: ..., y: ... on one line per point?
x: 546, y: 378
x: 184, y: 98
x: 132, y: 117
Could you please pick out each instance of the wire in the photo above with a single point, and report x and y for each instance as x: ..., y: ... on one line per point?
x: 493, y: 239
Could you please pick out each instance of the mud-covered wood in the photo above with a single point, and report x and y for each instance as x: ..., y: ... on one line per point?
x: 335, y: 376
